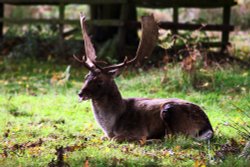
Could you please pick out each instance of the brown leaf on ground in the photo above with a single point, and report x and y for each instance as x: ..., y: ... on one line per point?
x: 74, y: 147
x: 188, y: 63
x: 4, y: 154
x: 26, y: 145
x: 86, y: 163
x: 59, y: 162
x: 6, y: 134
x: 231, y: 147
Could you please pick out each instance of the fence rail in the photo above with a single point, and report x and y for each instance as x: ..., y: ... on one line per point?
x: 224, y: 27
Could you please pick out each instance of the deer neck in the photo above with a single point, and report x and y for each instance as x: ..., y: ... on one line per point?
x: 111, y: 101
x: 108, y: 108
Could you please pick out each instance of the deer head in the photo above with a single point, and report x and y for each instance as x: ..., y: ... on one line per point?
x: 99, y: 80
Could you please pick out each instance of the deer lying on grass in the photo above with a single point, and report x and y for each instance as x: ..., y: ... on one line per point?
x: 137, y: 119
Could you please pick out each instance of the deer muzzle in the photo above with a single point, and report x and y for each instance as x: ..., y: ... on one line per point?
x: 82, y: 96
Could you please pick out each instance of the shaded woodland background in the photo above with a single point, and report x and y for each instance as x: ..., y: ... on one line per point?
x: 43, y: 42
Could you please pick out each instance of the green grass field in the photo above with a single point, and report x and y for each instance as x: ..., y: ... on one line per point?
x: 43, y: 124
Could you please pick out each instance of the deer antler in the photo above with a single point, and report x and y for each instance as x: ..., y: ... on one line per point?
x: 146, y: 45
x: 89, y: 59
x: 145, y: 48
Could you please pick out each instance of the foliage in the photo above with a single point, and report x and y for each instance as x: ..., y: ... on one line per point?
x: 42, y: 124
x: 38, y: 42
x: 242, y: 129
x: 241, y: 14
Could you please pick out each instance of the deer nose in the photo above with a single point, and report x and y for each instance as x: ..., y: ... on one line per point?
x: 80, y: 94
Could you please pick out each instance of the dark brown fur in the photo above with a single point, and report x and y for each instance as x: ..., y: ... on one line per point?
x: 137, y: 119
x: 140, y: 118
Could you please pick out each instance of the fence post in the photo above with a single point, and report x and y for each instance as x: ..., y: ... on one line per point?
x: 226, y: 21
x: 61, y: 27
x: 175, y: 19
x: 122, y: 31
x: 1, y: 16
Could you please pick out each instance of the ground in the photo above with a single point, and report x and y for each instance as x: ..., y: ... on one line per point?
x: 43, y: 124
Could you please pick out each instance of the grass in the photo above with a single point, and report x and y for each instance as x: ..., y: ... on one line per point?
x: 39, y: 113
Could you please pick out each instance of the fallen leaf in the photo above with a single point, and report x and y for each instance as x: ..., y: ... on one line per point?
x: 86, y: 163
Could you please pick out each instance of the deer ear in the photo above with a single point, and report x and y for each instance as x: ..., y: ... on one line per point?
x: 116, y: 72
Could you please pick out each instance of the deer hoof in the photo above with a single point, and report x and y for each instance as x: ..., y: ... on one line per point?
x: 118, y: 139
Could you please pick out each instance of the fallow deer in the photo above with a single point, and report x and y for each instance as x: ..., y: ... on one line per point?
x: 136, y: 119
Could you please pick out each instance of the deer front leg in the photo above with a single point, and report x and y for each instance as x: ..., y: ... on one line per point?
x: 123, y: 138
x: 107, y: 136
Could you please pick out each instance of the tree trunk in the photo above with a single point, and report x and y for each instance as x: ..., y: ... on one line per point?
x: 1, y: 16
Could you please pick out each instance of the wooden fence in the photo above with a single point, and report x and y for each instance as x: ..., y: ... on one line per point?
x: 224, y: 27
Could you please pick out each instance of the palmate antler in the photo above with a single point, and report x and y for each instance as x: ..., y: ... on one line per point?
x: 147, y: 43
x: 145, y: 48
x: 90, y: 58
